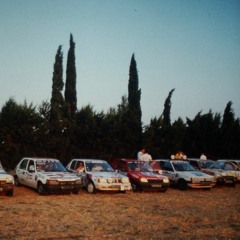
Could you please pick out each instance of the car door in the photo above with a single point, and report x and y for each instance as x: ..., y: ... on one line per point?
x: 31, y: 174
x: 72, y: 166
x: 168, y: 171
x: 21, y: 171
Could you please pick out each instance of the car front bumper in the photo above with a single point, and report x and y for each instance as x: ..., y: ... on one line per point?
x: 153, y: 185
x: 113, y: 186
x: 201, y: 184
x: 6, y: 187
x: 227, y: 180
x: 63, y: 188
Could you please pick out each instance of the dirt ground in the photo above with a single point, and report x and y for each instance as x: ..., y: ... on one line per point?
x: 191, y: 214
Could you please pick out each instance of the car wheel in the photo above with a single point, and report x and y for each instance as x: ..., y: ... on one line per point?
x: 135, y: 187
x: 40, y: 189
x: 91, y: 188
x: 9, y: 193
x: 182, y: 184
x: 17, y: 182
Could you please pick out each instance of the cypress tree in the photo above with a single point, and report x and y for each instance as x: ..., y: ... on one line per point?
x: 167, y: 110
x: 134, y: 108
x: 70, y: 89
x: 57, y: 101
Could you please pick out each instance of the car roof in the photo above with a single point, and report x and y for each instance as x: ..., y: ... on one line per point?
x: 88, y: 160
x: 40, y: 159
x: 168, y: 160
x: 127, y: 160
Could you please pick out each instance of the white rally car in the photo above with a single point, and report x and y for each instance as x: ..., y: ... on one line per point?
x: 183, y: 175
x: 99, y: 175
x: 6, y: 182
x: 46, y: 175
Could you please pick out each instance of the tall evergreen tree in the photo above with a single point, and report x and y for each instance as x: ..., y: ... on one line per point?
x: 71, y: 76
x: 134, y: 112
x: 167, y: 110
x: 230, y: 133
x: 57, y: 101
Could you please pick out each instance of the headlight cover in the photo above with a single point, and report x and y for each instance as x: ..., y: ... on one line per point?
x: 125, y: 180
x: 102, y: 180
x: 9, y: 179
x: 166, y: 180
x: 143, y: 179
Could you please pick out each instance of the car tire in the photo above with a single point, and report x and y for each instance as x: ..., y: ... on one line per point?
x: 9, y: 193
x: 41, y: 189
x: 182, y: 184
x: 135, y: 187
x: 91, y: 188
x: 17, y: 182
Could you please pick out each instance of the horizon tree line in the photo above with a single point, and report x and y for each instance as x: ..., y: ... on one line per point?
x: 58, y: 129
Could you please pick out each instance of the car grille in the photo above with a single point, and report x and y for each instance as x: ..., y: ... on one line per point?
x: 201, y: 180
x: 155, y: 181
x: 116, y: 180
x: 67, y: 182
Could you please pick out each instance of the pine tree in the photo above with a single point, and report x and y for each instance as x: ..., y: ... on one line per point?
x: 57, y: 101
x: 71, y: 76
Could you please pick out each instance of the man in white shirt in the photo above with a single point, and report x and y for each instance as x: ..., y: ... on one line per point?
x: 140, y: 154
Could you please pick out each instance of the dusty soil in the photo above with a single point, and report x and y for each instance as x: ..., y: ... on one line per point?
x: 191, y: 214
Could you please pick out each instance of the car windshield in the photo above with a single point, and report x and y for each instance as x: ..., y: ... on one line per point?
x: 49, y: 166
x: 138, y: 166
x: 182, y: 166
x: 98, y: 167
x: 210, y: 164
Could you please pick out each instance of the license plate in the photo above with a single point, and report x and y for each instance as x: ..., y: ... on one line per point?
x: 156, y: 185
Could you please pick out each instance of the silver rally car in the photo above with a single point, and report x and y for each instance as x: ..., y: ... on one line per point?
x: 46, y: 175
x: 182, y: 174
x: 99, y: 175
x: 6, y: 182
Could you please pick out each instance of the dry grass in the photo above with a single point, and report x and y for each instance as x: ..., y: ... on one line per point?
x: 191, y: 214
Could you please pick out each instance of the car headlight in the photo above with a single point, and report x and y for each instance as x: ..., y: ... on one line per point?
x: 166, y: 180
x: 52, y: 182
x: 125, y: 180
x: 102, y: 180
x: 143, y: 179
x: 9, y: 179
x: 218, y: 175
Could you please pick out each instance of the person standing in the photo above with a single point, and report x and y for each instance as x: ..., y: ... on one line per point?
x: 140, y: 154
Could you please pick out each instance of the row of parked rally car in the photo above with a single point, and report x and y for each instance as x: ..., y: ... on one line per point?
x: 48, y: 175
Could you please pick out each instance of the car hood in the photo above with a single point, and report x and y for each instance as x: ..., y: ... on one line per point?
x: 148, y: 175
x: 107, y: 174
x: 4, y: 175
x: 61, y: 176
x: 194, y: 174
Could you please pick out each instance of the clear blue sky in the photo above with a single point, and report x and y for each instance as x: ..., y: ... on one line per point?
x: 190, y: 45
